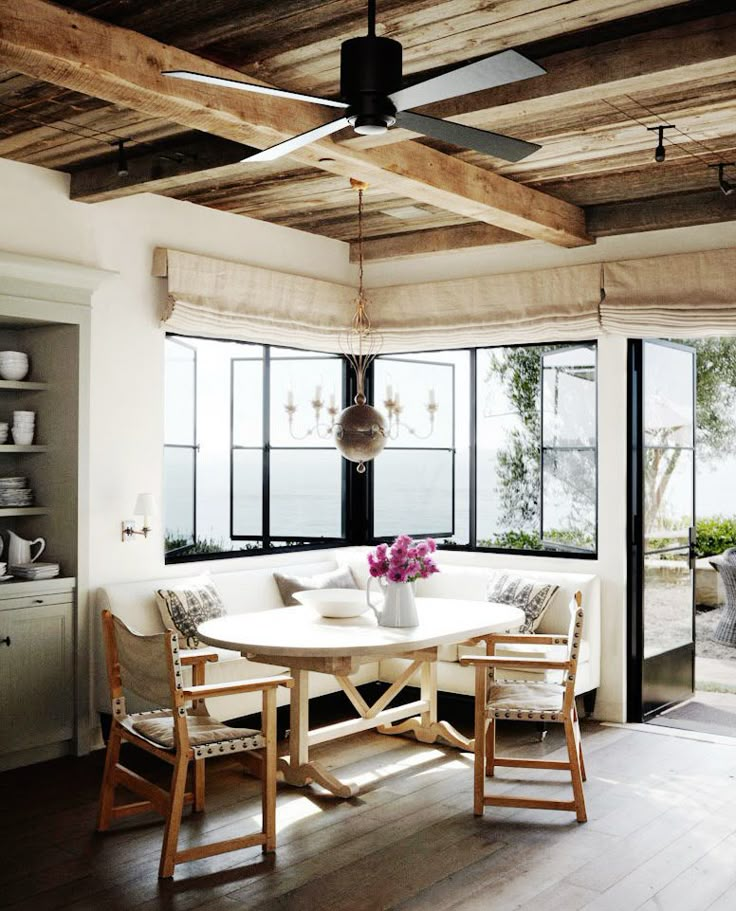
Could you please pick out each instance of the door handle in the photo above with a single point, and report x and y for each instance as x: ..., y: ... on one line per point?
x: 6, y: 641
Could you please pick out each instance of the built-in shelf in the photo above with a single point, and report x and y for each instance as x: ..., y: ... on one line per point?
x: 23, y: 385
x: 11, y: 447
x: 6, y: 511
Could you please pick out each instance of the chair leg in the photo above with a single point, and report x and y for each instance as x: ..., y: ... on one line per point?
x: 573, y: 753
x: 490, y: 747
x: 173, y: 818
x: 579, y: 741
x: 480, y: 727
x: 199, y: 785
x: 268, y: 781
x: 107, y: 791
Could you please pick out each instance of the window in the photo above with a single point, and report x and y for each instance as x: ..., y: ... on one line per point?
x: 242, y: 472
x: 421, y: 480
x: 536, y: 448
x: 489, y: 448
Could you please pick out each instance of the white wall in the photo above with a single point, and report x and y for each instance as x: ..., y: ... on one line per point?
x: 37, y: 218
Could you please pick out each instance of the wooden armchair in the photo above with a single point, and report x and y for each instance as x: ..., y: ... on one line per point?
x: 528, y: 701
x: 179, y: 733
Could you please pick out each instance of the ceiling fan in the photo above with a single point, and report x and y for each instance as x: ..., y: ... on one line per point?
x: 373, y: 99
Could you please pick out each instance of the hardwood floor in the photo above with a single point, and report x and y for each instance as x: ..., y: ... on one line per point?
x: 661, y: 835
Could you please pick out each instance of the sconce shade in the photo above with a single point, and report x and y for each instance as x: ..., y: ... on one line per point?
x: 145, y: 505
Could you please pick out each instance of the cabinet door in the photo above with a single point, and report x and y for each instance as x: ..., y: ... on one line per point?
x: 36, y: 677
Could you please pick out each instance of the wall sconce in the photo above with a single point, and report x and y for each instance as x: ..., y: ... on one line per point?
x: 145, y: 505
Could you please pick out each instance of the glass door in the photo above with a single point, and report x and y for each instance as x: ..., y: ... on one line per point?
x: 662, y: 533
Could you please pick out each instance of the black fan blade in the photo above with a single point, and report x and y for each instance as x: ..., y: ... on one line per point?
x: 500, y: 69
x: 467, y: 137
x: 251, y: 87
x: 297, y: 142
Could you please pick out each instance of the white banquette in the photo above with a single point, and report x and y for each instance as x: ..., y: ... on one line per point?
x: 255, y: 590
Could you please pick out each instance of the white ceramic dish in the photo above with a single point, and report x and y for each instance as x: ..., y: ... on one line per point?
x: 13, y: 371
x: 334, y: 602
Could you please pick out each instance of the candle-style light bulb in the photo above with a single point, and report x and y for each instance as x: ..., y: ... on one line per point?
x: 432, y: 398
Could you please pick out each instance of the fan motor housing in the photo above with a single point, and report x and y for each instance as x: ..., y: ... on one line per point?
x: 370, y: 70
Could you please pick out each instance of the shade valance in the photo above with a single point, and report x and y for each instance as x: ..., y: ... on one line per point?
x: 680, y: 295
x: 222, y: 299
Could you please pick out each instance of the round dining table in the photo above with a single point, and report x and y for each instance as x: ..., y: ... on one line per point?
x: 302, y: 640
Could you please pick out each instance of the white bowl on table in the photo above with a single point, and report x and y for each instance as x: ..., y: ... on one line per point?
x: 336, y: 603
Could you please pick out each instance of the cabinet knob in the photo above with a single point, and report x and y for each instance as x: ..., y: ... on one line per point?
x: 38, y: 600
x: 6, y: 641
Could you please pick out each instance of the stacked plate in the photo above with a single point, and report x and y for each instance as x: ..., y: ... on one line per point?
x: 34, y: 571
x: 15, y: 492
x: 13, y: 365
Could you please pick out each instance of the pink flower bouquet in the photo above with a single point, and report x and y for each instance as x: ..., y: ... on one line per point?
x: 405, y: 560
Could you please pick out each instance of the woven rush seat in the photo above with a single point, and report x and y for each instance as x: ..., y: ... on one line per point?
x: 510, y: 700
x: 204, y: 730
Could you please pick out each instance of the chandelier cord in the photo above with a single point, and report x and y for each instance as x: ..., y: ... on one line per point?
x: 360, y: 241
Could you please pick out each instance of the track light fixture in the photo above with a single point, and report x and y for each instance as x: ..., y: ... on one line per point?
x: 659, y: 152
x: 727, y: 188
x: 122, y: 157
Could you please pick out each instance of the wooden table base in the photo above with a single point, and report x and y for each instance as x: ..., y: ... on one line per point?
x: 298, y: 770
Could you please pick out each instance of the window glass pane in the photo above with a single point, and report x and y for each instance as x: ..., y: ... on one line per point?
x: 412, y: 385
x: 668, y: 497
x: 668, y: 602
x: 569, y: 499
x: 668, y: 394
x: 179, y: 409
x: 247, y: 492
x: 247, y: 403
x: 306, y: 493
x: 302, y: 380
x: 413, y: 493
x: 569, y: 397
x: 178, y: 497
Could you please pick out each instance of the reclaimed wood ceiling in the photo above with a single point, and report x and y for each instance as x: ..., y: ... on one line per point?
x: 596, y: 151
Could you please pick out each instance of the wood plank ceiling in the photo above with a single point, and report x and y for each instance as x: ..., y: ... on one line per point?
x: 614, y: 69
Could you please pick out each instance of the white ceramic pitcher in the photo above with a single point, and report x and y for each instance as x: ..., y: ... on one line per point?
x: 19, y: 550
x: 399, y: 607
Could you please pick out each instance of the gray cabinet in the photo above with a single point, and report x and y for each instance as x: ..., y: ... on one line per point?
x: 36, y: 667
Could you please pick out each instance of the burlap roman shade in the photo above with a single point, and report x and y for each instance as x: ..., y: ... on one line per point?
x: 222, y: 299
x: 682, y: 295
x: 679, y: 295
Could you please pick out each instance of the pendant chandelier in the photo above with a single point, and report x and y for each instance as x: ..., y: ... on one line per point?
x: 360, y: 430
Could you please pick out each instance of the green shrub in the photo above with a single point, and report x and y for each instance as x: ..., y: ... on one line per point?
x: 715, y: 534
x: 517, y: 540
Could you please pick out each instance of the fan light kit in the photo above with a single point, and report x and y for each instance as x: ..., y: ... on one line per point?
x: 373, y: 98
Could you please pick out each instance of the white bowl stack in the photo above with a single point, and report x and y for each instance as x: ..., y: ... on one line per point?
x: 4, y: 430
x: 13, y: 365
x: 24, y: 426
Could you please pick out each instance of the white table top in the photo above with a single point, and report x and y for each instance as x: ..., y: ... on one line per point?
x: 300, y: 632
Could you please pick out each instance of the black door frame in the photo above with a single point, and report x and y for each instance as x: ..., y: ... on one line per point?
x: 672, y: 672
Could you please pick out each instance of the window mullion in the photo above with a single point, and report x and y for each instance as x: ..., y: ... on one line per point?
x: 266, y: 504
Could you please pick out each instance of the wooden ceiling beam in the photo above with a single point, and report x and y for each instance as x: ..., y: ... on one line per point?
x: 105, y: 61
x: 661, y: 213
x: 704, y: 49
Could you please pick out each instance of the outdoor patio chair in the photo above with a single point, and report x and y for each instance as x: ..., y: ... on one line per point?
x: 528, y: 701
x: 180, y: 733
x: 725, y: 630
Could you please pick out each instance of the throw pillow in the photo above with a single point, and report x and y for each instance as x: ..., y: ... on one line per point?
x: 342, y: 577
x: 189, y: 603
x: 529, y: 595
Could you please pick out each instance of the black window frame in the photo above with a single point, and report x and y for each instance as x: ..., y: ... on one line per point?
x: 358, y: 489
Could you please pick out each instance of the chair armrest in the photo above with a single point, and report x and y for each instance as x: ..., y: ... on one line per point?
x: 538, y: 664
x: 237, y: 686
x: 197, y: 656
x: 525, y: 639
